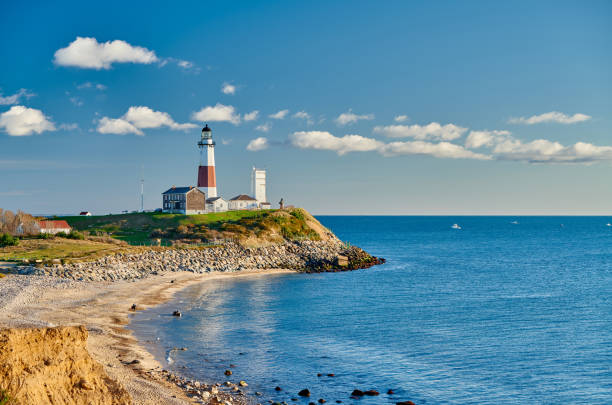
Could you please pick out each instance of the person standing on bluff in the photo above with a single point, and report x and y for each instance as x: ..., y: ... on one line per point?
x: 282, y: 204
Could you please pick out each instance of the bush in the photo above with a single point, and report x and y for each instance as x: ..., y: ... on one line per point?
x: 298, y: 214
x: 45, y: 236
x: 75, y: 235
x: 61, y: 235
x: 8, y: 240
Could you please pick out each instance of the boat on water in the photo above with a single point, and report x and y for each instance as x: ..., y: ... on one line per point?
x: 514, y: 222
x: 608, y: 224
x: 456, y: 226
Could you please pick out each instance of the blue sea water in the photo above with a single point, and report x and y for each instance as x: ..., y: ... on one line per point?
x: 494, y: 313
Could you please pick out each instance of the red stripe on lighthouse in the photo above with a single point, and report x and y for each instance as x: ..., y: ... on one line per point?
x: 206, y: 176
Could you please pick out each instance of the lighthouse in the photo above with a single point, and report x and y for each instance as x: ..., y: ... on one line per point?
x: 207, y: 181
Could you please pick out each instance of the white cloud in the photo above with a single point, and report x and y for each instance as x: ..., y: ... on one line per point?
x: 350, y: 118
x: 304, y: 116
x: 88, y: 53
x: 20, y: 121
x: 263, y: 127
x: 252, y: 116
x: 228, y: 88
x: 279, y: 115
x: 258, y: 144
x: 117, y: 126
x: 477, y: 139
x: 439, y: 150
x: 90, y: 85
x: 323, y: 140
x: 76, y: 101
x: 15, y: 98
x: 432, y: 131
x: 217, y: 113
x: 185, y: 64
x: 400, y: 118
x: 137, y: 118
x: 545, y: 151
x: 144, y: 117
x: 553, y: 116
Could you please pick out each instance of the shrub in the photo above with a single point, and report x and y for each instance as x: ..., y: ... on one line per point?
x: 61, y: 235
x: 75, y: 235
x: 8, y: 240
x: 45, y: 236
x: 298, y: 214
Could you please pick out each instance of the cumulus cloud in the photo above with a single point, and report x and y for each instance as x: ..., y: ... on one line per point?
x: 477, y: 139
x: 431, y: 131
x: 117, y: 126
x: 553, y: 116
x: 21, y: 121
x: 137, y: 118
x: 349, y: 117
x: 263, y: 127
x: 258, y: 144
x: 145, y: 117
x: 323, y: 140
x: 545, y: 151
x: 252, y: 116
x: 279, y: 115
x: 88, y: 53
x: 400, y: 118
x: 228, y: 88
x: 445, y: 150
x: 217, y: 113
x: 15, y: 98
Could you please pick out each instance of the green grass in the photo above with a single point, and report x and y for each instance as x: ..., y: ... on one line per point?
x: 59, y: 248
x: 141, y: 228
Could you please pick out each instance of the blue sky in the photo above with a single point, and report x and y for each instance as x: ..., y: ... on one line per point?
x: 392, y: 107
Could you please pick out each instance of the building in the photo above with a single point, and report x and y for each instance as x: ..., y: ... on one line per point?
x: 265, y: 206
x: 54, y: 227
x: 184, y: 200
x: 258, y: 184
x: 207, y: 179
x: 243, y: 202
x: 85, y: 213
x: 216, y: 204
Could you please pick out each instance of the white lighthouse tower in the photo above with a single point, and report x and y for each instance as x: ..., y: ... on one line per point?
x: 258, y: 184
x: 207, y: 181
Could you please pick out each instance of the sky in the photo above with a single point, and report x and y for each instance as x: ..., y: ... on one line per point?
x: 352, y: 107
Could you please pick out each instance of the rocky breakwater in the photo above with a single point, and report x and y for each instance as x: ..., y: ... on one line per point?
x: 307, y: 256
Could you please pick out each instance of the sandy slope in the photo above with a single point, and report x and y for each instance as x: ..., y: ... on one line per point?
x: 103, y: 308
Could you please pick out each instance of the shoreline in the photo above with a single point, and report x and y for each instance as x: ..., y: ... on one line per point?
x: 104, y: 309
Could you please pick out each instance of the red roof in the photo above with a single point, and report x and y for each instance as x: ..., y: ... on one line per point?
x: 53, y: 225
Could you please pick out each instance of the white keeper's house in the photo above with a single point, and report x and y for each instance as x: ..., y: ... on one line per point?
x: 216, y: 204
x: 243, y: 202
x: 184, y: 200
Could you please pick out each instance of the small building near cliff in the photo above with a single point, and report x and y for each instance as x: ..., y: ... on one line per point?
x: 243, y: 202
x: 54, y: 227
x: 216, y: 204
x: 184, y: 200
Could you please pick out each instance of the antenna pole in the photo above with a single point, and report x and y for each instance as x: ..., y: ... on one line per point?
x: 141, y: 188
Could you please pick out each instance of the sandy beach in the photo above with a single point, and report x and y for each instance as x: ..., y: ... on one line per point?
x: 104, y: 308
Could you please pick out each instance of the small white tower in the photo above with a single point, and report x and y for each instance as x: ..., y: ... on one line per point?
x: 258, y: 180
x: 207, y: 180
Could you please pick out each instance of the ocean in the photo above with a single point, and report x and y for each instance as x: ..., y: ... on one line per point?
x: 505, y: 310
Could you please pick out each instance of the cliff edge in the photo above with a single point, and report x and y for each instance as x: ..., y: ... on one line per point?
x: 52, y: 366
